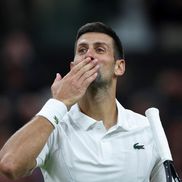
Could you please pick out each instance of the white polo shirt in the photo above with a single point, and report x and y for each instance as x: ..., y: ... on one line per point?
x: 80, y: 149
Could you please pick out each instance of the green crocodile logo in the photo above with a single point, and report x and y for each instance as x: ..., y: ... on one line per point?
x: 56, y: 120
x: 137, y: 146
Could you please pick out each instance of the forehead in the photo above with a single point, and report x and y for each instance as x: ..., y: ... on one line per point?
x: 94, y: 37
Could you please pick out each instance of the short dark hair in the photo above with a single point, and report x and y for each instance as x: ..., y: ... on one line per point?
x: 102, y: 28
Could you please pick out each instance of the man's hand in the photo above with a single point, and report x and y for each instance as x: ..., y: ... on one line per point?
x: 73, y: 86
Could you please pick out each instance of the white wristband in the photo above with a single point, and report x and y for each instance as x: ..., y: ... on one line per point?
x: 53, y: 110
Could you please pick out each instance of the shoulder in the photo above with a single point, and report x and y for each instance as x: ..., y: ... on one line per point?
x: 137, y: 119
x: 131, y: 118
x: 134, y: 115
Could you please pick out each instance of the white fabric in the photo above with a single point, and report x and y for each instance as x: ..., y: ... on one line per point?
x: 53, y: 111
x: 80, y: 149
x: 159, y: 134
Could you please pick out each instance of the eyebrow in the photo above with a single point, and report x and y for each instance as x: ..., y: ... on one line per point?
x: 95, y: 43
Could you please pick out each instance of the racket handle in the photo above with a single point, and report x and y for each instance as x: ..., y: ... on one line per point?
x: 158, y: 133
x: 162, y: 144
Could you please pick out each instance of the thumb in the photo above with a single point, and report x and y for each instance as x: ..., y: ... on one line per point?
x: 58, y: 77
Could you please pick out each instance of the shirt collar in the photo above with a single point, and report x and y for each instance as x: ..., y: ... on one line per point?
x: 122, y: 119
x: 80, y: 119
x: 83, y: 121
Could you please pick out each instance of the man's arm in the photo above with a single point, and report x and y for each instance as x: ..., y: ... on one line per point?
x: 18, y: 156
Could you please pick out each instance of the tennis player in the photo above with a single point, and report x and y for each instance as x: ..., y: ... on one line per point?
x: 82, y: 133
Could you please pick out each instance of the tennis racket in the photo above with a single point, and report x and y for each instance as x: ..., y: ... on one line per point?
x: 162, y: 144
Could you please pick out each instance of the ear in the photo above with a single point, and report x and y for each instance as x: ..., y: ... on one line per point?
x: 119, y: 67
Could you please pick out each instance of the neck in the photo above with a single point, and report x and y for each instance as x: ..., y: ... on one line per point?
x: 100, y: 105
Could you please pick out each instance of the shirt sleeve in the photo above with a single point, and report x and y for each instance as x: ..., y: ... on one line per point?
x: 158, y: 174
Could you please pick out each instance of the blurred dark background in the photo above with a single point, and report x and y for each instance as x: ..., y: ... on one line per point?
x: 37, y: 39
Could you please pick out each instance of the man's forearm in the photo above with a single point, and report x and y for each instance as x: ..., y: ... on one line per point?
x: 18, y: 156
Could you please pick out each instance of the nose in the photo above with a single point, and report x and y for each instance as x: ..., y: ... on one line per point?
x: 90, y: 54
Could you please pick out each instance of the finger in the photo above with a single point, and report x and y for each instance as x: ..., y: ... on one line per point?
x: 84, y: 80
x: 86, y: 68
x: 89, y: 73
x: 58, y: 77
x: 77, y: 60
x: 89, y: 80
x: 79, y: 65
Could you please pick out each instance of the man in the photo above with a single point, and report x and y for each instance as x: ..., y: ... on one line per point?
x: 83, y: 133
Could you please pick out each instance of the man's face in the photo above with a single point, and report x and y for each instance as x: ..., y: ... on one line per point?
x: 97, y: 46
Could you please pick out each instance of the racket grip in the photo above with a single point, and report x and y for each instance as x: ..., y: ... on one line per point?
x: 158, y: 133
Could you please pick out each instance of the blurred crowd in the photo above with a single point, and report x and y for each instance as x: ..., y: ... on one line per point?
x: 37, y: 39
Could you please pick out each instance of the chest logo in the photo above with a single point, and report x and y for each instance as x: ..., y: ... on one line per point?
x: 138, y: 146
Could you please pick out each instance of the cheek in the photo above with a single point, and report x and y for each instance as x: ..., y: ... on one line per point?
x: 107, y: 64
x: 107, y: 68
x: 104, y: 61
